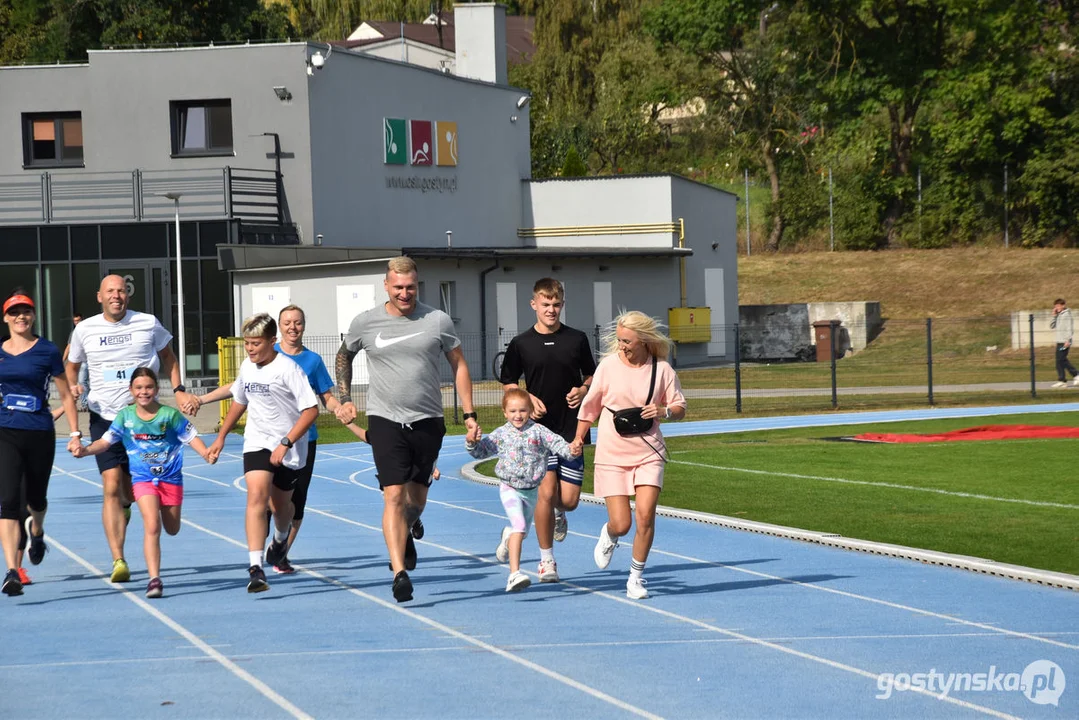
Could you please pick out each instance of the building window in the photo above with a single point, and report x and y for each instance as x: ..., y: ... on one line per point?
x: 53, y: 139
x: 447, y: 298
x: 202, y: 127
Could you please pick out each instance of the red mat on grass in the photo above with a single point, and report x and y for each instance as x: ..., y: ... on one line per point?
x: 982, y: 432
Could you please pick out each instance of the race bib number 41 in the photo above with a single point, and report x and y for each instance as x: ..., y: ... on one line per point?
x: 117, y: 373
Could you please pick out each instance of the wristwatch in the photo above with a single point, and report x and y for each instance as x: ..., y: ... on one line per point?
x: 179, y: 388
x: 286, y: 442
x: 471, y: 415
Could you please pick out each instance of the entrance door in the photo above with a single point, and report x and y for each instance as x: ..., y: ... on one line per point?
x: 149, y: 289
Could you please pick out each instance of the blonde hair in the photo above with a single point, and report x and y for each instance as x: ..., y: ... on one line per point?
x: 402, y: 265
x: 289, y: 308
x: 261, y: 325
x: 648, y: 329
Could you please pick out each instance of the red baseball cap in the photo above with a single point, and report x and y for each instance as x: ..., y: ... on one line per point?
x: 16, y: 300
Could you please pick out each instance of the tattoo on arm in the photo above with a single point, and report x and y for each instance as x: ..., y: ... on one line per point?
x: 343, y: 371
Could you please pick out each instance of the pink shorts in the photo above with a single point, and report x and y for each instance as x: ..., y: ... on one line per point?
x: 612, y: 480
x: 168, y: 493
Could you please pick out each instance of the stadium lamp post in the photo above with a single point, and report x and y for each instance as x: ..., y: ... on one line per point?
x: 182, y: 355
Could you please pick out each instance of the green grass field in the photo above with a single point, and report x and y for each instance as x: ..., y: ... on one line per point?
x: 794, y: 478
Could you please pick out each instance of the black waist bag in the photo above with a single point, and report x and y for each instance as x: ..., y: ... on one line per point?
x: 629, y: 421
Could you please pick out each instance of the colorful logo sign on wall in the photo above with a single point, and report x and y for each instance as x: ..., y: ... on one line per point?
x: 419, y: 142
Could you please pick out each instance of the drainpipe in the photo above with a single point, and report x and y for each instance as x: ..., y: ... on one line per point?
x: 682, y: 261
x: 483, y: 316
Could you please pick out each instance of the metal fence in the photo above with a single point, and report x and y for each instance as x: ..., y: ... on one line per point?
x: 902, y: 363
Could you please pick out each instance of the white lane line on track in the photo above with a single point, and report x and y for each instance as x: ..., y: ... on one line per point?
x: 466, y: 648
x: 445, y: 629
x: 262, y: 688
x: 891, y: 486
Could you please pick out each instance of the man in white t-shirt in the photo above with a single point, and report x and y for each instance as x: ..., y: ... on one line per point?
x: 280, y: 406
x: 112, y: 345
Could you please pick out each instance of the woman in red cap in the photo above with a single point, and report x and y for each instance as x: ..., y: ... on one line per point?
x: 27, y: 436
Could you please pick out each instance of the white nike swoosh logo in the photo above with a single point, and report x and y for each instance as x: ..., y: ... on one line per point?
x: 381, y: 342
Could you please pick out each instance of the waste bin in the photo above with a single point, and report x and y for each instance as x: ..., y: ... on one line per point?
x: 822, y: 336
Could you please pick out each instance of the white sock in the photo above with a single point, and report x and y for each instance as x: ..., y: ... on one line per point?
x: 636, y: 569
x: 546, y: 554
x: 279, y: 536
x: 254, y: 557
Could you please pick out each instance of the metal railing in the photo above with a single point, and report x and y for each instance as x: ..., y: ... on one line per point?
x: 138, y: 195
x: 935, y: 361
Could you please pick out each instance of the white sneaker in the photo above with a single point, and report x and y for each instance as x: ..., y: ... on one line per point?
x: 548, y: 571
x: 561, y: 527
x: 518, y: 581
x: 604, y: 548
x: 635, y: 589
x: 502, y: 552
x: 1059, y: 383
x: 1075, y: 381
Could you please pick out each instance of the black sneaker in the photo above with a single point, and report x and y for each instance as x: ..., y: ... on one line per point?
x: 37, y: 544
x: 258, y: 580
x: 276, y: 553
x: 13, y: 586
x: 402, y: 587
x: 410, y: 553
x: 417, y: 529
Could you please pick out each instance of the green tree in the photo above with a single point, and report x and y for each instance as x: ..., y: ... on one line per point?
x: 574, y: 166
x: 750, y: 68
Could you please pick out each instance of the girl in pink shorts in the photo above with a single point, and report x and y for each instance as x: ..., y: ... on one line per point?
x: 154, y: 436
x: 634, y: 373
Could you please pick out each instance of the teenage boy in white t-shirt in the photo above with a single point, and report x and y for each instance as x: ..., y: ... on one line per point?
x: 282, y: 407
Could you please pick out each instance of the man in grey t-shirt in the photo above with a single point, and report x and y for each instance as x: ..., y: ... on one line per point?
x: 403, y: 340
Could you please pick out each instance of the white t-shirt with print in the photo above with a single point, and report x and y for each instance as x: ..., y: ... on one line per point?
x: 275, y: 395
x: 112, y: 351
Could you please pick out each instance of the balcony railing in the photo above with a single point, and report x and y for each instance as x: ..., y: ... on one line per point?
x: 138, y: 195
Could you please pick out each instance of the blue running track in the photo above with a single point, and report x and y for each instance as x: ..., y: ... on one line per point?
x: 739, y: 625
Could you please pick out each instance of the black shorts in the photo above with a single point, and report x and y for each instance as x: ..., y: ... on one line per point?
x: 303, y: 482
x: 25, y: 466
x: 405, y: 453
x: 115, y: 456
x: 284, y: 478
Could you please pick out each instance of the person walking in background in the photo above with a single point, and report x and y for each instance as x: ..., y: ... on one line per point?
x: 83, y: 387
x: 522, y: 447
x: 633, y: 389
x: 112, y: 345
x: 1064, y: 326
x: 557, y: 364
x: 404, y: 340
x: 283, y: 407
x: 27, y: 435
x: 153, y: 435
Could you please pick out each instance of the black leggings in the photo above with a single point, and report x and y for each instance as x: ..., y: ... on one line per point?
x: 25, y: 455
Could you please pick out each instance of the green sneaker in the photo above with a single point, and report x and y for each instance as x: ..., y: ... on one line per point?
x: 120, y: 572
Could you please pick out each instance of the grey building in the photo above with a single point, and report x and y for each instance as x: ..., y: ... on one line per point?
x: 301, y: 168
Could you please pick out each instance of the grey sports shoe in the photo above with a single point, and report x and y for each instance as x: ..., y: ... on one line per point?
x: 561, y: 527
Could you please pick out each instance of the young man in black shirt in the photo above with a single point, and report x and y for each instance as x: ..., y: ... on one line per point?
x: 557, y: 363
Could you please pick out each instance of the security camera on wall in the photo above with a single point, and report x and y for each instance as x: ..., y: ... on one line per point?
x: 318, y: 60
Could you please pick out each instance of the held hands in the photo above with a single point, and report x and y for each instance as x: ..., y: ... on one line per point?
x: 215, y: 451
x: 210, y: 459
x: 473, y: 435
x: 77, y: 391
x: 76, y: 448
x: 190, y: 404
x: 345, y: 412
x: 576, y: 448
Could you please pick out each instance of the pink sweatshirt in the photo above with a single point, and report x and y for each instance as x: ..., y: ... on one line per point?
x: 619, y: 386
